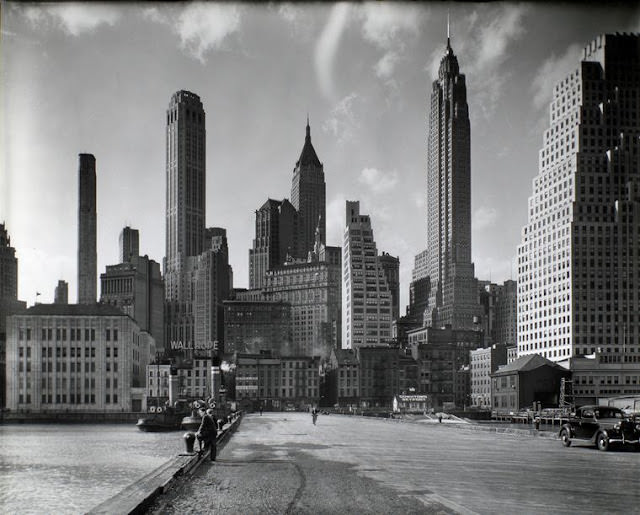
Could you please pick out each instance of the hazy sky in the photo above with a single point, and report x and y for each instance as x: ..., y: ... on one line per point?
x: 97, y: 78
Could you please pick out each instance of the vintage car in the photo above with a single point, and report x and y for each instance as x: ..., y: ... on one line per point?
x: 602, y: 426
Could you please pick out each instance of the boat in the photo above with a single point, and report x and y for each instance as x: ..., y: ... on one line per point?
x: 162, y: 419
x: 191, y: 422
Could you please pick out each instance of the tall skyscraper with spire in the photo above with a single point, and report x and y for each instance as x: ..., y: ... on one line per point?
x: 453, y: 294
x: 87, y: 254
x: 308, y: 196
x: 185, y: 209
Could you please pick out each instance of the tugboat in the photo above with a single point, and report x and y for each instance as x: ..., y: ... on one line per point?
x: 162, y: 419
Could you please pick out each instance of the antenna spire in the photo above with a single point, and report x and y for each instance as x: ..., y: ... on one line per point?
x: 448, y: 31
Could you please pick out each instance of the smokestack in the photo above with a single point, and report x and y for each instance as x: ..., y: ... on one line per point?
x: 87, y: 256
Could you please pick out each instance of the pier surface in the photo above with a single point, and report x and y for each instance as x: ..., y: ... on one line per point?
x: 282, y: 463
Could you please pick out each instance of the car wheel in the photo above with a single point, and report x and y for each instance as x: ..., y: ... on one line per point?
x: 602, y: 442
x: 565, y: 437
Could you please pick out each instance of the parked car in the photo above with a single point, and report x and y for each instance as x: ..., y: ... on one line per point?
x: 602, y: 426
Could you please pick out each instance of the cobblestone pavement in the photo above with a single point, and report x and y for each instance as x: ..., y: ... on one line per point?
x: 282, y: 463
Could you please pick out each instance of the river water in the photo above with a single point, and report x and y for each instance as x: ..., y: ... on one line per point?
x: 69, y: 469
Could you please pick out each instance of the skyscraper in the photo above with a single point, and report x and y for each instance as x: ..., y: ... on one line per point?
x: 579, y: 258
x: 185, y: 209
x: 129, y: 244
x: 61, y: 295
x: 453, y: 296
x: 366, y: 298
x: 308, y: 196
x: 8, y: 267
x: 9, y: 303
x: 274, y: 241
x: 212, y: 286
x: 87, y: 256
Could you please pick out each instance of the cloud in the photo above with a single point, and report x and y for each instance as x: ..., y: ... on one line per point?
x: 74, y: 19
x: 484, y: 217
x: 384, y: 67
x: 554, y: 69
x: 342, y: 122
x: 327, y: 47
x: 496, y: 37
x: 377, y: 180
x: 203, y: 26
x: 385, y: 24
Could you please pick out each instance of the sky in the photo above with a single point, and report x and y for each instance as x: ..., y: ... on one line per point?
x: 97, y: 78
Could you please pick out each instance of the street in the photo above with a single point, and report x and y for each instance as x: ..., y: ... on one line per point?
x: 282, y: 463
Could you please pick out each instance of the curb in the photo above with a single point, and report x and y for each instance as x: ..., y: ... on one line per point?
x: 137, y: 497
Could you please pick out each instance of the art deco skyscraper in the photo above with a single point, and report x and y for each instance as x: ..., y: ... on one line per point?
x: 185, y: 208
x: 579, y: 259
x: 87, y: 256
x: 453, y: 295
x: 308, y: 196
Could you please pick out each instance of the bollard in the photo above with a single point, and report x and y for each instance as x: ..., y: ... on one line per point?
x: 189, y: 440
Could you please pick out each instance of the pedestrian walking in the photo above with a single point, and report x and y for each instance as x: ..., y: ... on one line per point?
x: 260, y: 410
x: 314, y: 415
x: 208, y: 432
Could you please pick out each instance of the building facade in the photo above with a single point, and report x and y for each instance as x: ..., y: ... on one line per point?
x: 453, y: 294
x: 485, y: 362
x: 185, y: 210
x: 379, y: 375
x: 276, y: 238
x: 308, y: 196
x: 75, y: 358
x: 366, y: 297
x: 579, y: 257
x: 137, y: 289
x: 391, y: 268
x: 313, y: 290
x: 9, y: 303
x: 254, y: 326
x: 87, y: 253
x: 530, y: 382
x: 342, y: 378
x: 212, y: 286
x: 498, y: 316
x: 276, y: 382
x: 61, y: 294
x: 129, y: 242
x: 443, y: 360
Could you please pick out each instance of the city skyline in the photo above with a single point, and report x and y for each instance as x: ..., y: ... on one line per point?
x: 361, y: 72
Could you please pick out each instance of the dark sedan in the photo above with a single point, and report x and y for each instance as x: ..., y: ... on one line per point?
x: 602, y: 426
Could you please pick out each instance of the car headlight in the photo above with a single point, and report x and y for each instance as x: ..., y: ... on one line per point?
x: 637, y: 427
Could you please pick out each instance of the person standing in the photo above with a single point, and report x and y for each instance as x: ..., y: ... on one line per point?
x: 314, y: 415
x: 208, y: 432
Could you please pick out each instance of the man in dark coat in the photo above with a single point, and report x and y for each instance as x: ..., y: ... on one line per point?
x: 208, y: 432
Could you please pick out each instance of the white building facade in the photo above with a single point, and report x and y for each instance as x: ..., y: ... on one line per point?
x: 578, y: 262
x: 75, y: 358
x: 366, y: 296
